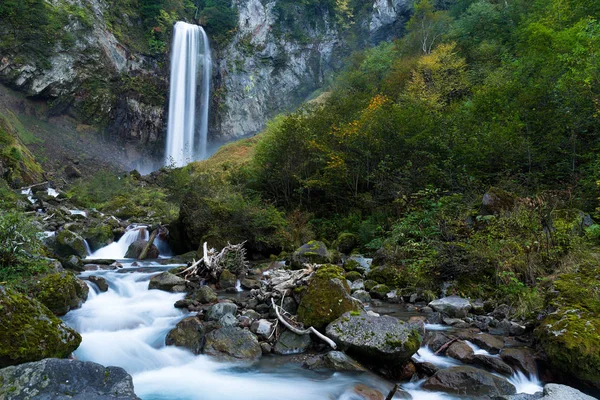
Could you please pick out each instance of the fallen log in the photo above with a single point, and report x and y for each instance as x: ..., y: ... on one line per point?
x: 144, y: 252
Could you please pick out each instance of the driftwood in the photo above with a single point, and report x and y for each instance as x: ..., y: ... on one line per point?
x: 32, y: 186
x: 144, y: 252
x: 232, y: 257
x: 297, y: 331
x: 392, y: 392
x: 445, y: 346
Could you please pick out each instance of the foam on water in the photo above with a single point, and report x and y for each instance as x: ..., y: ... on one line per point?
x: 117, y: 250
x: 436, y: 327
x: 479, y: 350
x: 52, y: 192
x: 426, y: 355
x: 525, y: 384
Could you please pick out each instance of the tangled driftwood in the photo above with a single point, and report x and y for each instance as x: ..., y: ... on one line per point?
x: 231, y: 257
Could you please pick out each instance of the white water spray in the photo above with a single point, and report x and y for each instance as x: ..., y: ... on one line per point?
x: 117, y: 250
x: 191, y: 52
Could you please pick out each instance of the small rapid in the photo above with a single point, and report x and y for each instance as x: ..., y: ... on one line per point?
x: 117, y: 250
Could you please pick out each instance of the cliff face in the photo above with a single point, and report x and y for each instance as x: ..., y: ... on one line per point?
x: 280, y: 54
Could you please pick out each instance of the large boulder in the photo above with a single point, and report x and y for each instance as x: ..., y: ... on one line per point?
x: 135, y: 250
x: 453, y: 306
x: 553, y: 391
x: 60, y: 292
x: 57, y: 379
x: 70, y: 243
x: 168, y: 282
x: 461, y: 351
x: 291, y: 343
x: 313, y: 252
x: 216, y: 311
x: 378, y: 340
x: 188, y: 333
x: 30, y: 332
x: 521, y: 359
x: 227, y: 280
x: 232, y: 343
x: 327, y: 298
x: 469, y: 381
x: 205, y: 295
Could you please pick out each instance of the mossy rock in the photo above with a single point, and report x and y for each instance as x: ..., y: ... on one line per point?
x: 100, y: 235
x: 227, y: 279
x: 346, y: 242
x: 30, y: 332
x: 70, y: 243
x: 326, y: 298
x: 497, y: 200
x: 370, y: 284
x: 353, y: 275
x: 390, y: 275
x: 570, y: 336
x: 313, y: 252
x: 61, y: 292
x: 379, y: 291
x: 353, y: 265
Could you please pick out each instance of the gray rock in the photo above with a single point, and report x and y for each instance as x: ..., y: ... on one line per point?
x: 382, y: 340
x: 99, y: 281
x: 232, y: 343
x: 51, y: 378
x: 168, y: 282
x: 358, y: 284
x: 338, y: 361
x: 135, y: 250
x: 453, y: 306
x: 493, y: 363
x: 521, y: 359
x: 188, y: 333
x: 553, y: 391
x: 311, y: 252
x: 262, y: 328
x: 435, y: 340
x: 291, y: 343
x: 290, y: 305
x: 362, y: 296
x: 251, y: 314
x: 250, y: 284
x: 488, y: 342
x: 216, y: 311
x: 468, y: 381
x: 228, y: 320
x: 205, y: 295
x: 266, y: 348
x: 460, y: 351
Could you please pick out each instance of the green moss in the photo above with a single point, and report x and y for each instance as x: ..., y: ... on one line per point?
x: 346, y: 242
x: 60, y: 292
x: 353, y: 275
x: 30, y: 332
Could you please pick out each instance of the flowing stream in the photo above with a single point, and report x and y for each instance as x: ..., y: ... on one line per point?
x: 127, y: 325
x: 190, y: 53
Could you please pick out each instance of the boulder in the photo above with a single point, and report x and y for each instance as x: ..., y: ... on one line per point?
x: 453, y: 306
x: 488, y: 342
x: 291, y: 343
x: 336, y: 361
x: 521, y: 359
x: 326, y: 298
x: 496, y: 200
x: 188, y: 333
x: 346, y: 242
x: 262, y: 328
x: 357, y: 284
x: 168, y: 282
x: 460, y: 351
x: 205, y: 295
x: 228, y: 320
x: 60, y: 292
x: 136, y: 248
x: 435, y: 340
x: 70, y: 243
x: 250, y: 284
x: 553, y: 391
x: 379, y: 291
x: 216, y: 311
x: 30, y: 332
x: 227, y: 280
x: 372, y: 339
x: 362, y: 296
x: 493, y: 363
x: 313, y: 252
x: 232, y: 343
x: 51, y: 378
x: 468, y: 381
x: 99, y: 282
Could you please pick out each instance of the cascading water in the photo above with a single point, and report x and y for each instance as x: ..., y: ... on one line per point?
x: 191, y: 52
x: 117, y: 250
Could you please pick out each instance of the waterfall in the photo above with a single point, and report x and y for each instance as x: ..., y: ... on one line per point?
x: 190, y: 52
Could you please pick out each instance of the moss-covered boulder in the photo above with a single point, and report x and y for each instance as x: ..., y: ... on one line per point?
x: 231, y: 343
x: 570, y: 336
x: 314, y: 252
x: 70, y: 243
x: 100, y: 235
x: 227, y: 280
x: 387, y: 274
x: 381, y: 340
x: 496, y: 200
x: 168, y: 282
x: 346, y: 242
x: 136, y: 248
x: 188, y: 333
x: 60, y: 292
x: 379, y: 291
x: 327, y: 298
x: 30, y: 332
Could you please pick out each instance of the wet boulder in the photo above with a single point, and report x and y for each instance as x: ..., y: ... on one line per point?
x: 82, y: 380
x: 336, y: 361
x: 362, y: 295
x: 327, y: 298
x: 227, y: 280
x: 205, y: 295
x: 379, y: 340
x: 453, y: 306
x: 136, y: 248
x: 232, y: 343
x: 60, y: 292
x: 168, y: 282
x: 461, y: 351
x: 521, y: 359
x: 488, y: 342
x: 493, y: 363
x: 379, y: 291
x: 30, y: 332
x: 216, y: 311
x: 70, y: 243
x: 188, y: 333
x: 313, y: 252
x: 553, y: 391
x: 469, y: 381
x: 291, y: 343
x: 250, y: 284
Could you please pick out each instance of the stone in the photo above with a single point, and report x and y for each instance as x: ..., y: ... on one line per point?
x: 501, y: 312
x: 426, y: 368
x: 379, y: 291
x: 346, y: 242
x: 435, y: 340
x: 488, y: 342
x: 326, y: 298
x: 262, y: 328
x: 227, y: 280
x: 468, y: 381
x: 460, y: 351
x: 60, y: 292
x: 367, y: 393
x: 291, y: 343
x: 70, y: 243
x: 358, y: 284
x: 339, y: 361
x: 290, y: 305
x: 188, y: 333
x: 453, y: 306
x: 72, y: 172
x: 381, y: 340
x: 30, y: 332
x: 496, y: 200
x: 232, y: 343
x: 521, y: 359
x: 553, y: 391
x: 493, y: 363
x: 370, y: 284
x: 205, y: 295
x: 82, y: 380
x: 362, y: 296
x: 228, y: 320
x: 136, y: 248
x: 168, y: 282
x: 313, y: 252
x: 354, y: 276
x: 216, y: 311
x: 251, y: 314
x: 250, y: 284
x: 266, y: 348
x: 99, y: 282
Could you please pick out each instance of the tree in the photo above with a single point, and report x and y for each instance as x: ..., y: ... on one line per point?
x: 426, y: 26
